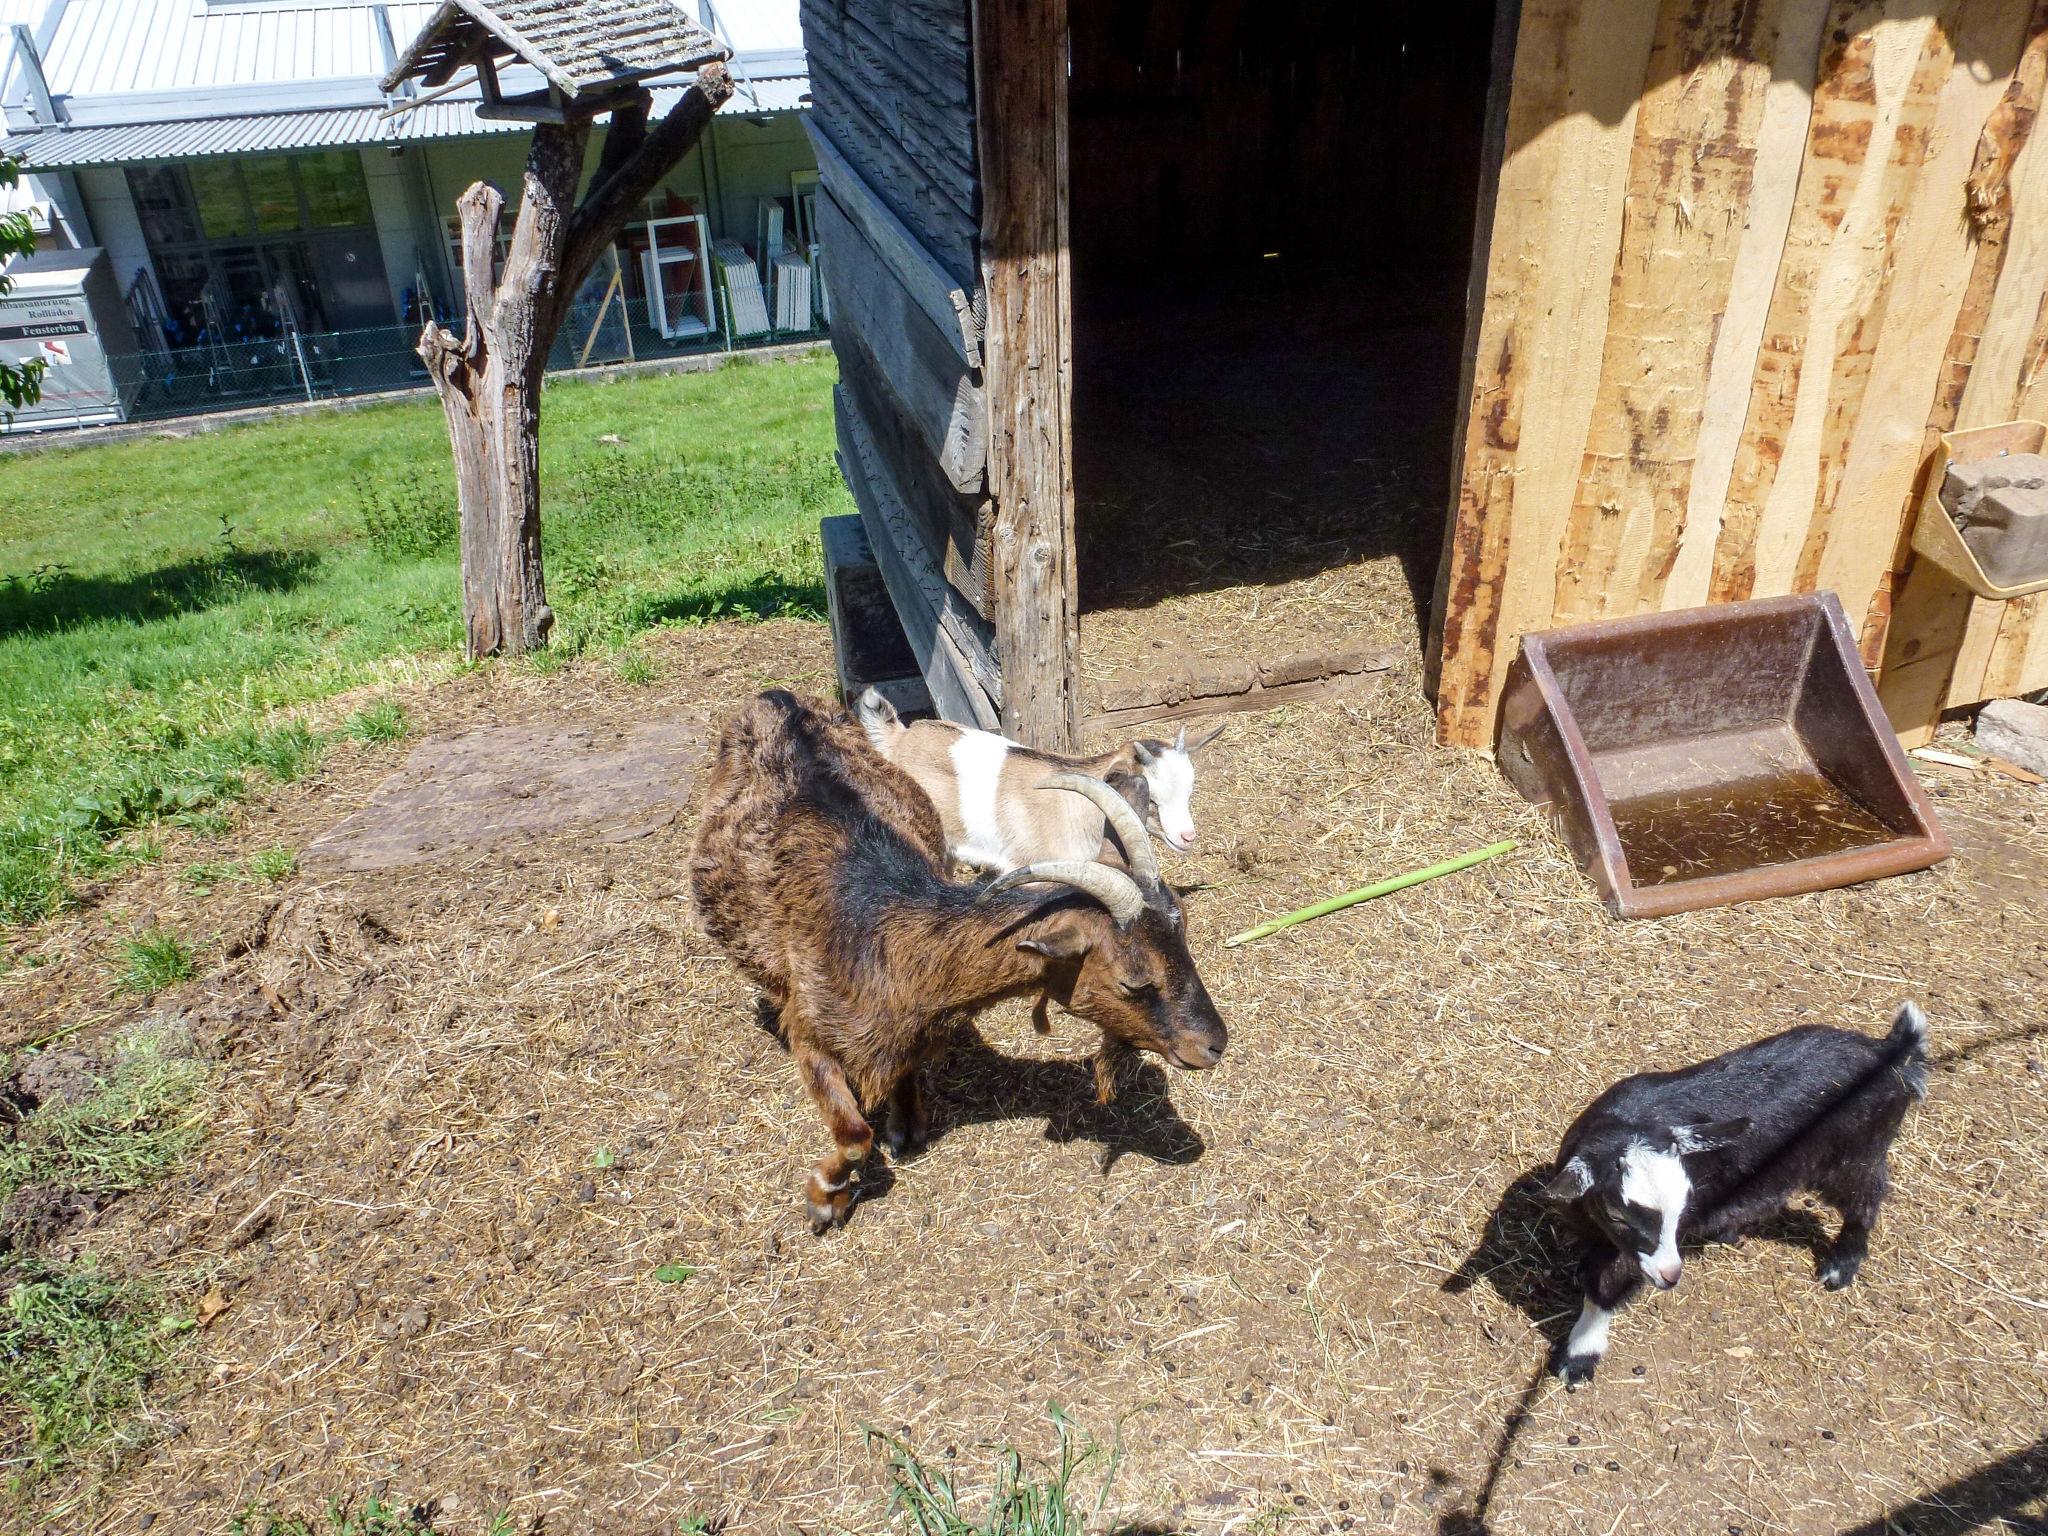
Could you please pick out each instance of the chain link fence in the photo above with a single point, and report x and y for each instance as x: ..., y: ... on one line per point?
x: 231, y: 374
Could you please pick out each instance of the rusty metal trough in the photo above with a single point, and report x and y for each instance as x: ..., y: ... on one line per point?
x: 1718, y: 754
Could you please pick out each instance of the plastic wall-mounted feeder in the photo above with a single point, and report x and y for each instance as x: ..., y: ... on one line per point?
x: 1714, y: 755
x: 1935, y: 534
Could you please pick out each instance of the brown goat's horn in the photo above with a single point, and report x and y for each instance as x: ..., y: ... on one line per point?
x: 1112, y: 887
x: 1129, y: 830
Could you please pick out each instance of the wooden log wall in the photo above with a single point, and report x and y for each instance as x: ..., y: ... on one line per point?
x: 1737, y: 276
x: 899, y: 231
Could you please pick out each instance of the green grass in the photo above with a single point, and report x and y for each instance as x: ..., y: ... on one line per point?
x: 156, y: 960
x: 78, y: 1346
x: 370, y: 1517
x: 378, y: 723
x: 162, y: 601
x: 146, y: 1114
x: 1020, y: 1501
x: 266, y: 866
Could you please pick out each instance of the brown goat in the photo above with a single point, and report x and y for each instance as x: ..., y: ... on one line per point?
x: 820, y: 868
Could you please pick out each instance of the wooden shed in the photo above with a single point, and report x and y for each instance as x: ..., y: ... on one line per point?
x: 1575, y: 308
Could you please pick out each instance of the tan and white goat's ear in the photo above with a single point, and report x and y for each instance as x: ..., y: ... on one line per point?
x: 1568, y: 1183
x: 1201, y: 741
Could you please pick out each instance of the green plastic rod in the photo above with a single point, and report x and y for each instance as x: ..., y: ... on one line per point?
x: 1369, y: 892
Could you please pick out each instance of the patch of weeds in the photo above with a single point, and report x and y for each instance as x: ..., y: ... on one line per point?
x: 675, y: 1274
x: 378, y: 723
x: 270, y: 865
x: 634, y: 668
x: 411, y: 521
x: 142, y: 1118
x: 1021, y: 1501
x: 266, y: 867
x: 77, y: 1348
x: 372, y: 1517
x: 549, y: 659
x: 205, y: 874
x: 286, y: 752
x: 156, y: 960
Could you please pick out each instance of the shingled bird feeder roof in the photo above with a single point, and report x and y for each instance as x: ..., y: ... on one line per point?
x: 579, y: 46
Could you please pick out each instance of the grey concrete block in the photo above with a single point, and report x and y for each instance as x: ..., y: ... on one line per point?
x: 2001, y: 506
x: 2016, y: 731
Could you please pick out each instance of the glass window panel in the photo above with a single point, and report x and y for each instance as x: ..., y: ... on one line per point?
x: 272, y: 193
x: 250, y: 313
x: 217, y: 189
x: 337, y: 197
x: 163, y: 202
x: 184, y: 280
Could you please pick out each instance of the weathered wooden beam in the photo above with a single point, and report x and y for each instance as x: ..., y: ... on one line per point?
x: 1020, y: 75
x: 925, y: 370
x: 943, y: 631
x: 947, y: 304
x: 936, y: 200
x: 957, y: 529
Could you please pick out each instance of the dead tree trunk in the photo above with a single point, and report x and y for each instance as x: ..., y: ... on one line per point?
x: 489, y: 378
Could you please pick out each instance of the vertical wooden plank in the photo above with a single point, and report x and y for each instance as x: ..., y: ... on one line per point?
x: 1872, y: 103
x: 1579, y: 69
x: 1020, y: 74
x: 1507, y: 16
x: 1689, y: 184
x: 1857, y: 531
x: 1780, y: 153
x: 1939, y: 640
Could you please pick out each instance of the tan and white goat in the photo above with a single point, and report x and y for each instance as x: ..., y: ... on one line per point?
x: 986, y: 788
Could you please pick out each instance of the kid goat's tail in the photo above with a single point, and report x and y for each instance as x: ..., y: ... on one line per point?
x: 1908, y: 1041
x: 879, y: 719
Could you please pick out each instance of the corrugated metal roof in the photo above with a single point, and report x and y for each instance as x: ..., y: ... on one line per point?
x: 448, y: 118
x: 117, y: 47
x: 581, y: 46
x: 269, y: 131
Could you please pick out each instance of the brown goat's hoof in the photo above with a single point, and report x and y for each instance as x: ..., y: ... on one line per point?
x: 905, y: 1142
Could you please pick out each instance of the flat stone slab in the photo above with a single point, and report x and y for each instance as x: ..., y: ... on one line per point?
x: 2016, y: 731
x: 504, y: 784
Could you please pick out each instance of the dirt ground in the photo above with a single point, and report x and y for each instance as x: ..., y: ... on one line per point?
x: 1300, y: 1282
x: 1258, y: 477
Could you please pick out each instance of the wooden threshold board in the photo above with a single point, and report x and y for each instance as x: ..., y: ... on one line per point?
x: 1183, y: 703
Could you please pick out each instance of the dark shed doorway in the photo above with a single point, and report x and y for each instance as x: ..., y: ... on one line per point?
x: 1271, y: 235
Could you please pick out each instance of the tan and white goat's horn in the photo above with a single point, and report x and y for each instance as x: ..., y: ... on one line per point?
x: 1130, y: 831
x: 1112, y: 887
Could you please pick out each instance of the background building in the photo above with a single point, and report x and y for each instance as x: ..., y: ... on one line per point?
x: 273, y: 227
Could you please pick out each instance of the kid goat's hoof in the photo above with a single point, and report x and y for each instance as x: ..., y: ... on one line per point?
x: 1574, y: 1370
x: 1839, y: 1274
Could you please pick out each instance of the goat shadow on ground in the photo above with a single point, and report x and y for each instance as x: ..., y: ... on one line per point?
x: 1530, y: 1254
x: 975, y: 1084
x: 1996, y: 1496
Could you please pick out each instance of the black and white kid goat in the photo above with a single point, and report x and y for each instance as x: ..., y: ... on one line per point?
x: 1710, y: 1152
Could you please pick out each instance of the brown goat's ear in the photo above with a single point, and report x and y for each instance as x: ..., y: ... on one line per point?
x: 1057, y: 935
x: 1202, y: 740
x: 1056, y: 945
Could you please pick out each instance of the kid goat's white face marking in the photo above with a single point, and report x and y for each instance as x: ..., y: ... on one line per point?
x: 1657, y: 1181
x: 978, y: 771
x: 1170, y: 777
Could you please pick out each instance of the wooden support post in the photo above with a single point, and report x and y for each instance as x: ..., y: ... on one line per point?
x: 1020, y: 71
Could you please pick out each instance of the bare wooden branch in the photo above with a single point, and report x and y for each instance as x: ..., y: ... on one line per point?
x: 607, y: 205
